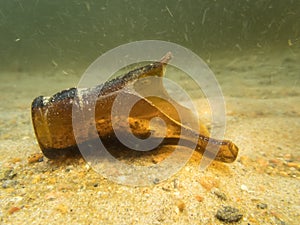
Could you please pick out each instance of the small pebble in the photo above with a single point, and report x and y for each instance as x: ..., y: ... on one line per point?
x: 166, y: 188
x: 15, y: 160
x: 244, y: 188
x: 9, y: 174
x: 63, y: 209
x: 181, y: 205
x: 275, y: 162
x: 209, y: 182
x: 176, y: 183
x: 156, y: 181
x: 229, y: 214
x: 288, y: 157
x: 278, y: 218
x: 13, y: 210
x: 9, y: 183
x: 293, y: 165
x: 261, y: 164
x: 37, y: 157
x: 199, y: 198
x: 245, y: 160
x: 262, y: 205
x: 219, y: 194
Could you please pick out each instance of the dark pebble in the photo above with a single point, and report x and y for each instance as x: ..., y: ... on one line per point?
x: 262, y: 205
x: 229, y: 214
x: 41, y: 159
x: 220, y: 195
x: 9, y: 175
x: 156, y: 181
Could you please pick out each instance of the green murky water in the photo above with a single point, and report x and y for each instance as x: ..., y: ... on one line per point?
x: 41, y: 35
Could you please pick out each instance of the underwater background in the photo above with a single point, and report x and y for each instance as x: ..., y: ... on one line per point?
x: 39, y: 35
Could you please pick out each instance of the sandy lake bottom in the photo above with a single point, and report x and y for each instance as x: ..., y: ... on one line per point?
x: 262, y: 94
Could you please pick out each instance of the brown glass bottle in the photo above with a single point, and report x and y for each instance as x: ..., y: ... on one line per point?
x: 53, y: 117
